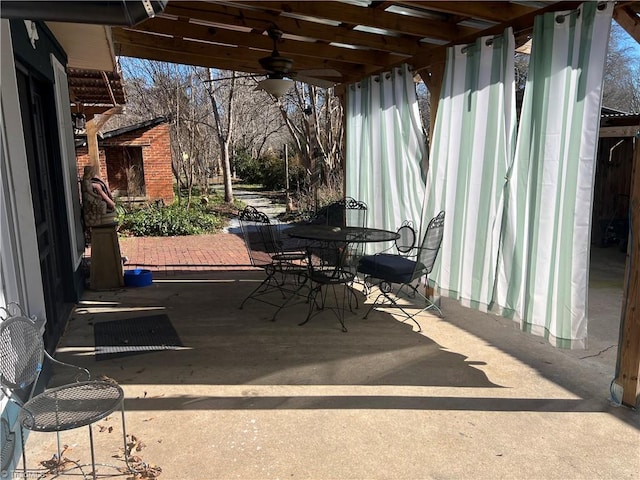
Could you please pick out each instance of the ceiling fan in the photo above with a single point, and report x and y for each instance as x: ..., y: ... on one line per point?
x: 279, y: 67
x: 276, y: 65
x: 279, y: 71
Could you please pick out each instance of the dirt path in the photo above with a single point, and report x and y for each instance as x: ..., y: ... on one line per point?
x: 262, y: 202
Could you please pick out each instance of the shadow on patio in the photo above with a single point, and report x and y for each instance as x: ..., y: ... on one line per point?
x: 250, y: 398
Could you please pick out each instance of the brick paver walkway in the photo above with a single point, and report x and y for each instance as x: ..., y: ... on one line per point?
x: 220, y: 251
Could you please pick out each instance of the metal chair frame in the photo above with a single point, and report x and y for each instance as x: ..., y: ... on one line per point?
x: 266, y: 251
x: 328, y: 272
x: 22, y: 359
x: 424, y: 259
x: 342, y: 213
x: 406, y: 242
x: 350, y: 213
x: 403, y: 245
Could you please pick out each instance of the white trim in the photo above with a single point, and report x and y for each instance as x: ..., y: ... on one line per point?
x: 68, y: 159
x: 20, y: 278
x: 19, y: 257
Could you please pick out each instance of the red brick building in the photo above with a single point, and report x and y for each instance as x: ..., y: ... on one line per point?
x: 135, y: 161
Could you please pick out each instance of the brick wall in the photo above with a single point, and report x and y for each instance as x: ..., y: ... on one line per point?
x: 156, y: 157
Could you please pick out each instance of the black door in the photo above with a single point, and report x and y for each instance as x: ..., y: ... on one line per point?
x: 40, y: 130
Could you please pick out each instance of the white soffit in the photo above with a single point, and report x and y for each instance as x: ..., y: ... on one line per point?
x: 88, y: 47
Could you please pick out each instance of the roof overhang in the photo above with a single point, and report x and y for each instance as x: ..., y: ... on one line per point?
x: 95, y: 82
x: 88, y: 47
x: 83, y: 30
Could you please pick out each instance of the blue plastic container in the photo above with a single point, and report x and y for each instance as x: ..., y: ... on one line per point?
x: 137, y: 277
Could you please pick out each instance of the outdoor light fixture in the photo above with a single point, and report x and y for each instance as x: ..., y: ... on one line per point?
x: 275, y: 86
x: 79, y: 121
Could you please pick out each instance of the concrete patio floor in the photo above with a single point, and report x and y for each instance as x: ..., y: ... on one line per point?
x: 247, y: 398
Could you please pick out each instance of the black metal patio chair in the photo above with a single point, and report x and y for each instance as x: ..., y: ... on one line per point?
x: 403, y: 245
x: 69, y: 405
x: 390, y: 269
x: 266, y: 250
x: 330, y: 278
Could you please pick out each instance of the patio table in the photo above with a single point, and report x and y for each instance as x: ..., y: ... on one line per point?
x: 335, y: 239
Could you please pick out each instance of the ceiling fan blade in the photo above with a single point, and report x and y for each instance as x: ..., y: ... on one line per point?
x: 318, y: 82
x: 321, y: 72
x: 241, y: 75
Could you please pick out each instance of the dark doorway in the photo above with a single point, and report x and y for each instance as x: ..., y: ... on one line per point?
x: 47, y: 192
x: 125, y: 171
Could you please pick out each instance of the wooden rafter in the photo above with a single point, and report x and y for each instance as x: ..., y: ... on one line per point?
x: 351, y: 14
x: 351, y: 40
x: 498, y: 12
x: 180, y: 28
x: 261, y: 20
x: 628, y: 16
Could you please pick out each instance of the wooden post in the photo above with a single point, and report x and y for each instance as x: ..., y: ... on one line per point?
x: 92, y: 127
x: 92, y: 143
x: 433, y: 78
x: 629, y: 348
x: 289, y: 203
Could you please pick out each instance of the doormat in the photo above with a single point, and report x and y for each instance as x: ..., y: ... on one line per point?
x: 133, y: 336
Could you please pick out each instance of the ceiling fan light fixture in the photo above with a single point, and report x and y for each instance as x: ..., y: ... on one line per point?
x: 275, y: 86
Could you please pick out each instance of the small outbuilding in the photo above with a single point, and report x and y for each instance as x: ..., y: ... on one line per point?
x: 135, y: 161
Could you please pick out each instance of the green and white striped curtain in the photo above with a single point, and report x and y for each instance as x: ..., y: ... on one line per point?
x: 471, y: 151
x: 543, y: 271
x: 386, y: 152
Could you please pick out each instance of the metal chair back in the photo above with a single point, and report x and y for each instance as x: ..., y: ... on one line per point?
x: 406, y: 242
x: 346, y: 212
x: 355, y: 213
x: 259, y: 236
x: 430, y: 247
x: 21, y: 353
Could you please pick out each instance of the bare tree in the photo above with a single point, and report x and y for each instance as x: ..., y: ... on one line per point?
x: 621, y: 87
x: 163, y: 89
x: 313, y: 117
x: 261, y: 126
x: 222, y: 101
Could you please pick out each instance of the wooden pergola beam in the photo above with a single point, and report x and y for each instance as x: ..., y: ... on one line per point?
x: 498, y: 12
x: 629, y: 348
x: 352, y: 14
x: 628, y: 19
x: 156, y: 47
x: 180, y: 28
x: 520, y: 26
x: 262, y: 20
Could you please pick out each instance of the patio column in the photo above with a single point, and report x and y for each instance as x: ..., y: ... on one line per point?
x: 628, y: 367
x: 93, y: 126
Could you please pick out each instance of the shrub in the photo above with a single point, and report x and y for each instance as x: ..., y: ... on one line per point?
x: 247, y: 168
x: 272, y: 172
x: 268, y: 170
x: 173, y: 220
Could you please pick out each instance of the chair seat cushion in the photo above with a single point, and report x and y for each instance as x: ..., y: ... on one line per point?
x: 393, y: 268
